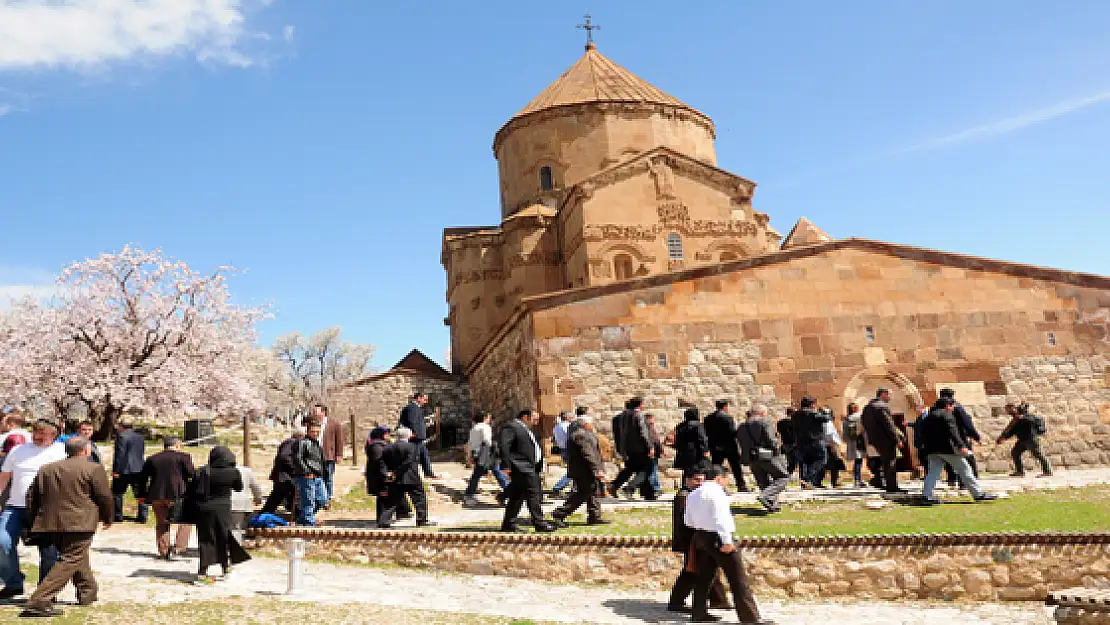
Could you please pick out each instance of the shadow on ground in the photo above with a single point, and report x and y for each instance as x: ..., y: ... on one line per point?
x: 644, y: 610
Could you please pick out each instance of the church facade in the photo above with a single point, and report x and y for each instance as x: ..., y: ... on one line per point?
x: 627, y: 263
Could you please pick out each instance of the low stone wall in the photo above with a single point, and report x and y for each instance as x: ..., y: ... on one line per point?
x: 1005, y: 572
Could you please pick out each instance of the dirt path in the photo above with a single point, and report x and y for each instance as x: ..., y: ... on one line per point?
x: 128, y: 573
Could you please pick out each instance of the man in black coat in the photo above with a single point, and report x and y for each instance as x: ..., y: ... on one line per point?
x: 883, y: 435
x: 809, y: 441
x: 412, y: 417
x: 586, y: 469
x: 721, y: 430
x: 1027, y: 428
x: 691, y: 445
x: 944, y: 445
x: 399, y: 471
x: 164, y: 478
x: 967, y: 430
x: 127, y: 469
x: 282, y: 475
x: 637, y: 448
x: 522, y: 460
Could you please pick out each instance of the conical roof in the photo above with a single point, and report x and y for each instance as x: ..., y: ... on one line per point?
x: 595, y: 78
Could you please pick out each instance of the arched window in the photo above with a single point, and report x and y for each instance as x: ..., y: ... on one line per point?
x: 674, y: 246
x: 547, y: 182
x: 622, y: 266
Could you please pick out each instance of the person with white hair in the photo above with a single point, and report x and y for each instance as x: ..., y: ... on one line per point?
x: 763, y: 452
x: 401, y: 472
x: 585, y: 467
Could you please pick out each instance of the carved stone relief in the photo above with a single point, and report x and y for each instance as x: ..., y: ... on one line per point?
x: 663, y: 175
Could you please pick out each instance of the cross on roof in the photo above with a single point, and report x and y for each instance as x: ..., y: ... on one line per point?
x: 589, y: 27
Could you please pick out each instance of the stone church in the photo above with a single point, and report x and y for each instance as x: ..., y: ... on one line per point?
x: 626, y: 262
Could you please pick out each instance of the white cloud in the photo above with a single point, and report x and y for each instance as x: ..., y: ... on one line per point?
x: 1006, y: 125
x: 288, y: 32
x: 84, y: 33
x: 19, y: 282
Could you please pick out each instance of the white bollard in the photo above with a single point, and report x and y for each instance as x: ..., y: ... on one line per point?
x: 295, y: 549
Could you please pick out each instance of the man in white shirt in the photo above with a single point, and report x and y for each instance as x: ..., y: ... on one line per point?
x: 19, y: 469
x: 708, y: 514
x: 561, y: 436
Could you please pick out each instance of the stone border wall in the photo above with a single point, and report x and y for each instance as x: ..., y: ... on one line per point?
x: 999, y: 572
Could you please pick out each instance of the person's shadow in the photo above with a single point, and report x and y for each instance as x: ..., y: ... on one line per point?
x: 645, y: 610
x: 172, y: 576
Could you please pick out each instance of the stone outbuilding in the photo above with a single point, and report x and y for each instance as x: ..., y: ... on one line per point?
x: 378, y: 399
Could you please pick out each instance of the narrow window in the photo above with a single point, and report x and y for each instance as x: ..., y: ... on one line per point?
x: 870, y: 332
x: 726, y: 256
x: 622, y: 266
x: 1052, y: 339
x: 662, y: 361
x: 547, y: 183
x: 674, y: 246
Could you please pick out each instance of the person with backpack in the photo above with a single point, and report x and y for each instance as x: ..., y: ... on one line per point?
x: 851, y: 430
x: 1027, y: 429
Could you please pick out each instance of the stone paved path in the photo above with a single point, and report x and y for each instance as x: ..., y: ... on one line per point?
x: 127, y: 572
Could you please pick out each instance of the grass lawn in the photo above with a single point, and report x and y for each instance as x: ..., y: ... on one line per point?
x: 260, y: 611
x: 1072, y: 509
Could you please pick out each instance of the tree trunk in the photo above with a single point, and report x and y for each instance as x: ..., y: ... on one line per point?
x: 107, y: 422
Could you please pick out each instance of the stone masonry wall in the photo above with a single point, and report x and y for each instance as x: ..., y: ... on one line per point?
x: 988, y: 573
x: 379, y: 401
x: 838, y: 325
x: 503, y: 382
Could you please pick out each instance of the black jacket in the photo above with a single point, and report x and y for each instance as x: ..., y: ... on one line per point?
x: 1023, y: 427
x: 285, y: 465
x: 165, y: 475
x: 721, y: 430
x: 878, y: 425
x: 401, y: 460
x: 129, y: 452
x: 618, y: 432
x: 809, y: 427
x: 785, y: 429
x: 518, y: 453
x: 940, y: 433
x: 690, y: 444
x: 965, y: 425
x: 681, y: 534
x: 375, y: 467
x: 635, y: 435
x: 308, y: 457
x: 756, y: 434
x: 583, y: 455
x: 412, y: 417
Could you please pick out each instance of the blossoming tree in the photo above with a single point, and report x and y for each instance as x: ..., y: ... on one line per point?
x: 131, y: 330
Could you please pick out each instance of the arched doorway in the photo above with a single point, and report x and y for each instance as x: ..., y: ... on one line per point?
x: 904, y: 399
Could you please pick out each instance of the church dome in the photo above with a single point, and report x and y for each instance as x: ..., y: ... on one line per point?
x: 595, y: 78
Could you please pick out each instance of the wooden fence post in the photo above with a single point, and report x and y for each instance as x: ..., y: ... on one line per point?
x: 246, y: 439
x: 354, y: 439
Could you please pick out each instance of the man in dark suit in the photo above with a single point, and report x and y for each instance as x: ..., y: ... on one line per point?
x: 412, y: 417
x: 682, y: 537
x: 967, y: 430
x: 127, y: 468
x: 883, y: 435
x: 763, y: 450
x: 164, y: 477
x: 65, y: 501
x: 721, y: 431
x: 637, y: 448
x: 691, y: 445
x: 522, y: 460
x: 399, y: 471
x: 585, y: 468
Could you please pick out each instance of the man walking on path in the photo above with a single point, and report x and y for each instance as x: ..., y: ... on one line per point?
x: 721, y: 430
x: 283, y: 475
x: 522, y: 459
x: 402, y: 479
x: 165, y: 476
x: 636, y: 446
x: 1028, y: 429
x: 944, y: 445
x: 331, y: 443
x: 20, y: 467
x: 412, y: 417
x: 681, y: 540
x: 967, y: 430
x: 809, y: 438
x: 708, y: 514
x: 882, y: 434
x: 585, y: 467
x: 127, y: 468
x: 761, y: 447
x: 65, y: 502
x: 560, y: 436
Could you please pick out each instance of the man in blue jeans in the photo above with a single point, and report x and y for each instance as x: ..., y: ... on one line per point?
x: 19, y: 469
x: 308, y: 460
x: 561, y: 436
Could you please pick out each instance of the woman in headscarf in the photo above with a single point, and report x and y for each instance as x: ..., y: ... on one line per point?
x: 212, y: 494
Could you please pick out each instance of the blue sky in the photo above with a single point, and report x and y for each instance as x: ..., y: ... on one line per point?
x: 323, y: 146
